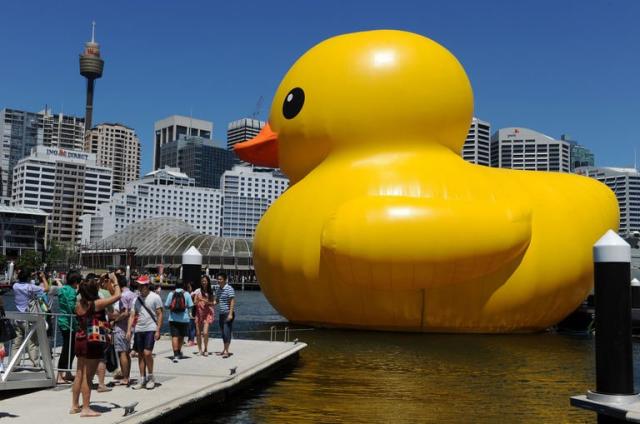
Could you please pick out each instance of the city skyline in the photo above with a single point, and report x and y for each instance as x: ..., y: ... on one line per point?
x: 555, y: 68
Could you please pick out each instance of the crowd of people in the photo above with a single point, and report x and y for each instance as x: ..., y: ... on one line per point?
x: 98, y: 314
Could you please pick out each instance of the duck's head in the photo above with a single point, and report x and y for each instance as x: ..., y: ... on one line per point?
x: 375, y: 90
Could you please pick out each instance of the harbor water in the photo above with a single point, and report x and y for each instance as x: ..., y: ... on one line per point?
x: 373, y: 377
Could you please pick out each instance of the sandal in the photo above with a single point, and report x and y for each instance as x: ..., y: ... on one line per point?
x: 104, y: 389
x: 75, y: 410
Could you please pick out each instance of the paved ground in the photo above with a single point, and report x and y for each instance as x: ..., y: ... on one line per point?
x: 190, y: 379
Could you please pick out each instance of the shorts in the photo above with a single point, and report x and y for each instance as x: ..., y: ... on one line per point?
x: 144, y: 340
x: 120, y: 341
x: 179, y: 329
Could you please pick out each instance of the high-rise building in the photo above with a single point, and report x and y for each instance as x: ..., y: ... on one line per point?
x: 171, y: 128
x: 477, y: 147
x: 117, y: 147
x: 522, y: 148
x: 579, y: 155
x: 242, y: 130
x: 246, y: 196
x: 91, y: 67
x: 625, y: 183
x: 22, y: 230
x: 200, y: 158
x: 63, y: 183
x: 63, y: 131
x: 165, y: 192
x: 21, y: 131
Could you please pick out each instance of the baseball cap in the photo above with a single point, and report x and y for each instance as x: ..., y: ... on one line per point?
x: 143, y: 279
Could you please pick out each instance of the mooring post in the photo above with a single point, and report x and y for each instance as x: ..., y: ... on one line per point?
x: 635, y: 294
x: 10, y: 271
x: 192, y: 267
x: 614, y: 354
x: 614, y: 392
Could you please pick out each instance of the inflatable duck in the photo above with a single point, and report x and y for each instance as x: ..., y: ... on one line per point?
x: 386, y: 227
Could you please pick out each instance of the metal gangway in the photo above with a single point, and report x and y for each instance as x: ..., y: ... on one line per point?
x: 15, y: 377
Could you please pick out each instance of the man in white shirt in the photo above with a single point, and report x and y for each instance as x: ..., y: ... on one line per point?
x: 148, y: 310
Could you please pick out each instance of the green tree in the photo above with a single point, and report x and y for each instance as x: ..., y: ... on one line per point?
x: 29, y: 259
x: 56, y: 252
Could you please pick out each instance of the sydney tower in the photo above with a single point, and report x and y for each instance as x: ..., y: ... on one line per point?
x: 91, y: 66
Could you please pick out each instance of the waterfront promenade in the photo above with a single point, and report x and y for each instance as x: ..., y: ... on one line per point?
x: 183, y: 387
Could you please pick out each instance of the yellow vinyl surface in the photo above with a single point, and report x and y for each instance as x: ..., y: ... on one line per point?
x: 386, y: 227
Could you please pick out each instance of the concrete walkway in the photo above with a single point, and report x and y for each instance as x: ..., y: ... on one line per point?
x: 182, y: 386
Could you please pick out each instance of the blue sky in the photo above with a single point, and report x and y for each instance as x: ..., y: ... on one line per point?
x: 554, y: 66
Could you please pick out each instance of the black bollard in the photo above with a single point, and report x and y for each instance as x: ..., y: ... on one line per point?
x: 192, y: 267
x: 614, y: 354
x: 635, y: 294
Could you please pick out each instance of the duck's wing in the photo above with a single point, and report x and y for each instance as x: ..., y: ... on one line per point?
x: 424, y: 242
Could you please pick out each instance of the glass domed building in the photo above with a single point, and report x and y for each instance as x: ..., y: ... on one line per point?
x: 160, y: 242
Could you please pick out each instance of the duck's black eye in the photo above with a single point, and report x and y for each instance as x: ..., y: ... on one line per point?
x: 293, y: 103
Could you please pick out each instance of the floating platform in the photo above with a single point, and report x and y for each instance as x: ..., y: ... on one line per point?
x: 619, y: 408
x: 182, y: 388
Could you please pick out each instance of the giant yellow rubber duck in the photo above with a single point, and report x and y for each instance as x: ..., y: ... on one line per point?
x: 386, y: 227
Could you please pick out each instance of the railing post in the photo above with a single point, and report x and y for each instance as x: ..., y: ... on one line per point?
x: 71, y: 340
x: 43, y: 344
x: 55, y: 332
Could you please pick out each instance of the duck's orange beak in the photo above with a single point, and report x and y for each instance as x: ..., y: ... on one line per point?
x: 262, y: 150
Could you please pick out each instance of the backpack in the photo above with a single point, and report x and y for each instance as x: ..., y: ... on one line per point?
x: 178, y: 302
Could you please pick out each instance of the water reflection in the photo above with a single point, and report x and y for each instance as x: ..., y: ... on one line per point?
x: 349, y: 376
x: 354, y: 377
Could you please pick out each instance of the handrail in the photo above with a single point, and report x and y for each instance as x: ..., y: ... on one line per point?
x: 29, y: 316
x: 39, y: 330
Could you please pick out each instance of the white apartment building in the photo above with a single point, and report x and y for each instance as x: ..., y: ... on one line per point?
x: 165, y: 192
x: 247, y: 194
x: 171, y: 128
x: 242, y: 130
x: 522, y: 148
x: 20, y: 131
x: 625, y: 183
x: 63, y: 183
x: 117, y: 147
x: 477, y: 147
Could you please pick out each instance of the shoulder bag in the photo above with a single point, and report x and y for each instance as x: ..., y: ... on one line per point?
x: 96, y: 328
x: 151, y: 314
x: 7, y: 330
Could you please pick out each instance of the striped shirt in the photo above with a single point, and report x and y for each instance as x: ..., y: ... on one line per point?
x: 224, y: 296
